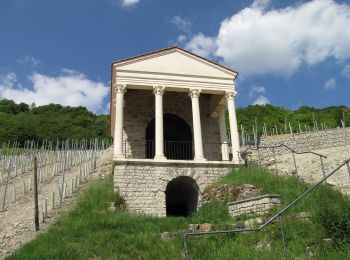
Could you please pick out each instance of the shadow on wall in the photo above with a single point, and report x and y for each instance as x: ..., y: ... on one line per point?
x: 177, y: 138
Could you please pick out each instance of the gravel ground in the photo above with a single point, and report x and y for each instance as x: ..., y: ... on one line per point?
x: 309, y: 166
x: 17, y: 221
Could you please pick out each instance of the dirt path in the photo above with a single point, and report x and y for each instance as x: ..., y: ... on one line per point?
x: 17, y: 222
x: 309, y: 167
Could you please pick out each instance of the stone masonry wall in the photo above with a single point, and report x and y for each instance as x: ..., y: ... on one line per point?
x: 302, y: 142
x: 139, y: 111
x: 254, y: 206
x: 143, y: 184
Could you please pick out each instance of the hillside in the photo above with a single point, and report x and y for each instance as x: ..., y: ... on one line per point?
x: 22, y: 122
x: 280, y: 117
x: 90, y: 231
x: 19, y: 122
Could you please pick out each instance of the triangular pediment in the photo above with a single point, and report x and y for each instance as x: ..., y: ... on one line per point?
x: 175, y: 61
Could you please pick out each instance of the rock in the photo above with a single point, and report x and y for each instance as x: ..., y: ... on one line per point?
x: 112, y: 209
x: 193, y: 227
x: 302, y: 216
x: 309, y: 251
x: 263, y: 245
x: 166, y: 236
x: 247, y: 191
x: 239, y: 225
x: 251, y: 223
x: 205, y: 227
x: 224, y: 193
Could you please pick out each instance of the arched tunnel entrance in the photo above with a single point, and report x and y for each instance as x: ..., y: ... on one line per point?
x: 181, y: 196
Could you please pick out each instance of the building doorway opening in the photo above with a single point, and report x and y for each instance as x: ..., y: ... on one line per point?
x: 177, y: 138
x: 181, y: 197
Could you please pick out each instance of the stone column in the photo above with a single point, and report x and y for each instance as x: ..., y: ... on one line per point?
x: 223, y: 135
x: 197, y: 129
x: 230, y: 96
x: 120, y: 90
x: 158, y: 91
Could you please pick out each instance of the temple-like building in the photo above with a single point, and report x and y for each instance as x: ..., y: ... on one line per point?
x: 169, y: 129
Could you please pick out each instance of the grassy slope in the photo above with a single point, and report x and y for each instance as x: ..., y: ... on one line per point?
x: 91, y: 231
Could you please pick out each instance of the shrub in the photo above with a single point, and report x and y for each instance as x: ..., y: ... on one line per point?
x: 333, y: 215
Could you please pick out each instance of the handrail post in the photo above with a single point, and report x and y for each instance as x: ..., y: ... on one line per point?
x: 274, y: 158
x: 187, y: 256
x: 295, y: 167
x: 283, y: 238
x: 323, y: 171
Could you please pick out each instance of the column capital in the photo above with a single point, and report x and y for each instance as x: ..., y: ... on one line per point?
x: 119, y: 88
x: 158, y: 90
x: 231, y: 94
x: 194, y: 92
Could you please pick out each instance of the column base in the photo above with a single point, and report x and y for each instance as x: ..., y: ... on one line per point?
x: 160, y: 157
x: 237, y: 160
x: 118, y: 157
x: 199, y: 158
x: 225, y: 151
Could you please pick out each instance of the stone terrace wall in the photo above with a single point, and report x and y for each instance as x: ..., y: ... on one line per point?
x: 143, y: 184
x: 302, y: 142
x: 254, y: 206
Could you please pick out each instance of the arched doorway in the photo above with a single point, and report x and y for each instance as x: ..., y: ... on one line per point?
x: 181, y: 197
x: 177, y: 138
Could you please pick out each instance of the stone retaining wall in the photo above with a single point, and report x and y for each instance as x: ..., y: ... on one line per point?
x: 142, y: 184
x: 254, y: 206
x: 302, y: 142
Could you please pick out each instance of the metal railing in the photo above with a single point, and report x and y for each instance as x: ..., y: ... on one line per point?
x: 273, y: 218
x: 245, y: 154
x: 178, y: 150
x: 173, y: 150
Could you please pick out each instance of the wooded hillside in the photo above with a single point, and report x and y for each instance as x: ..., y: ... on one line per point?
x: 279, y: 117
x: 22, y: 122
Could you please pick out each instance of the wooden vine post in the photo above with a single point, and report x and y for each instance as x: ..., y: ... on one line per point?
x: 36, y: 203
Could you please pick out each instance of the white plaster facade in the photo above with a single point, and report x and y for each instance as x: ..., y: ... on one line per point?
x: 154, y: 98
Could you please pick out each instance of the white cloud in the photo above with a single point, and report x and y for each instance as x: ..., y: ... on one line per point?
x: 257, y: 90
x: 261, y: 100
x: 181, y: 38
x: 346, y: 71
x: 202, y: 45
x: 182, y: 23
x: 261, y: 4
x: 70, y: 88
x: 262, y: 40
x: 9, y: 79
x: 129, y: 3
x: 31, y: 61
x: 330, y: 84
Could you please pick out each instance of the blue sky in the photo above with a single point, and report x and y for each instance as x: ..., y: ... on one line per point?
x: 288, y: 53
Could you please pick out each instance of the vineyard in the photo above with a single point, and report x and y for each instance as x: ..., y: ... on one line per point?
x: 61, y: 168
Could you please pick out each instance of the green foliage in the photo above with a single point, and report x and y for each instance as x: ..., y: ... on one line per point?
x: 21, y: 122
x: 333, y: 216
x: 10, y: 107
x: 52, y: 122
x: 280, y: 117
